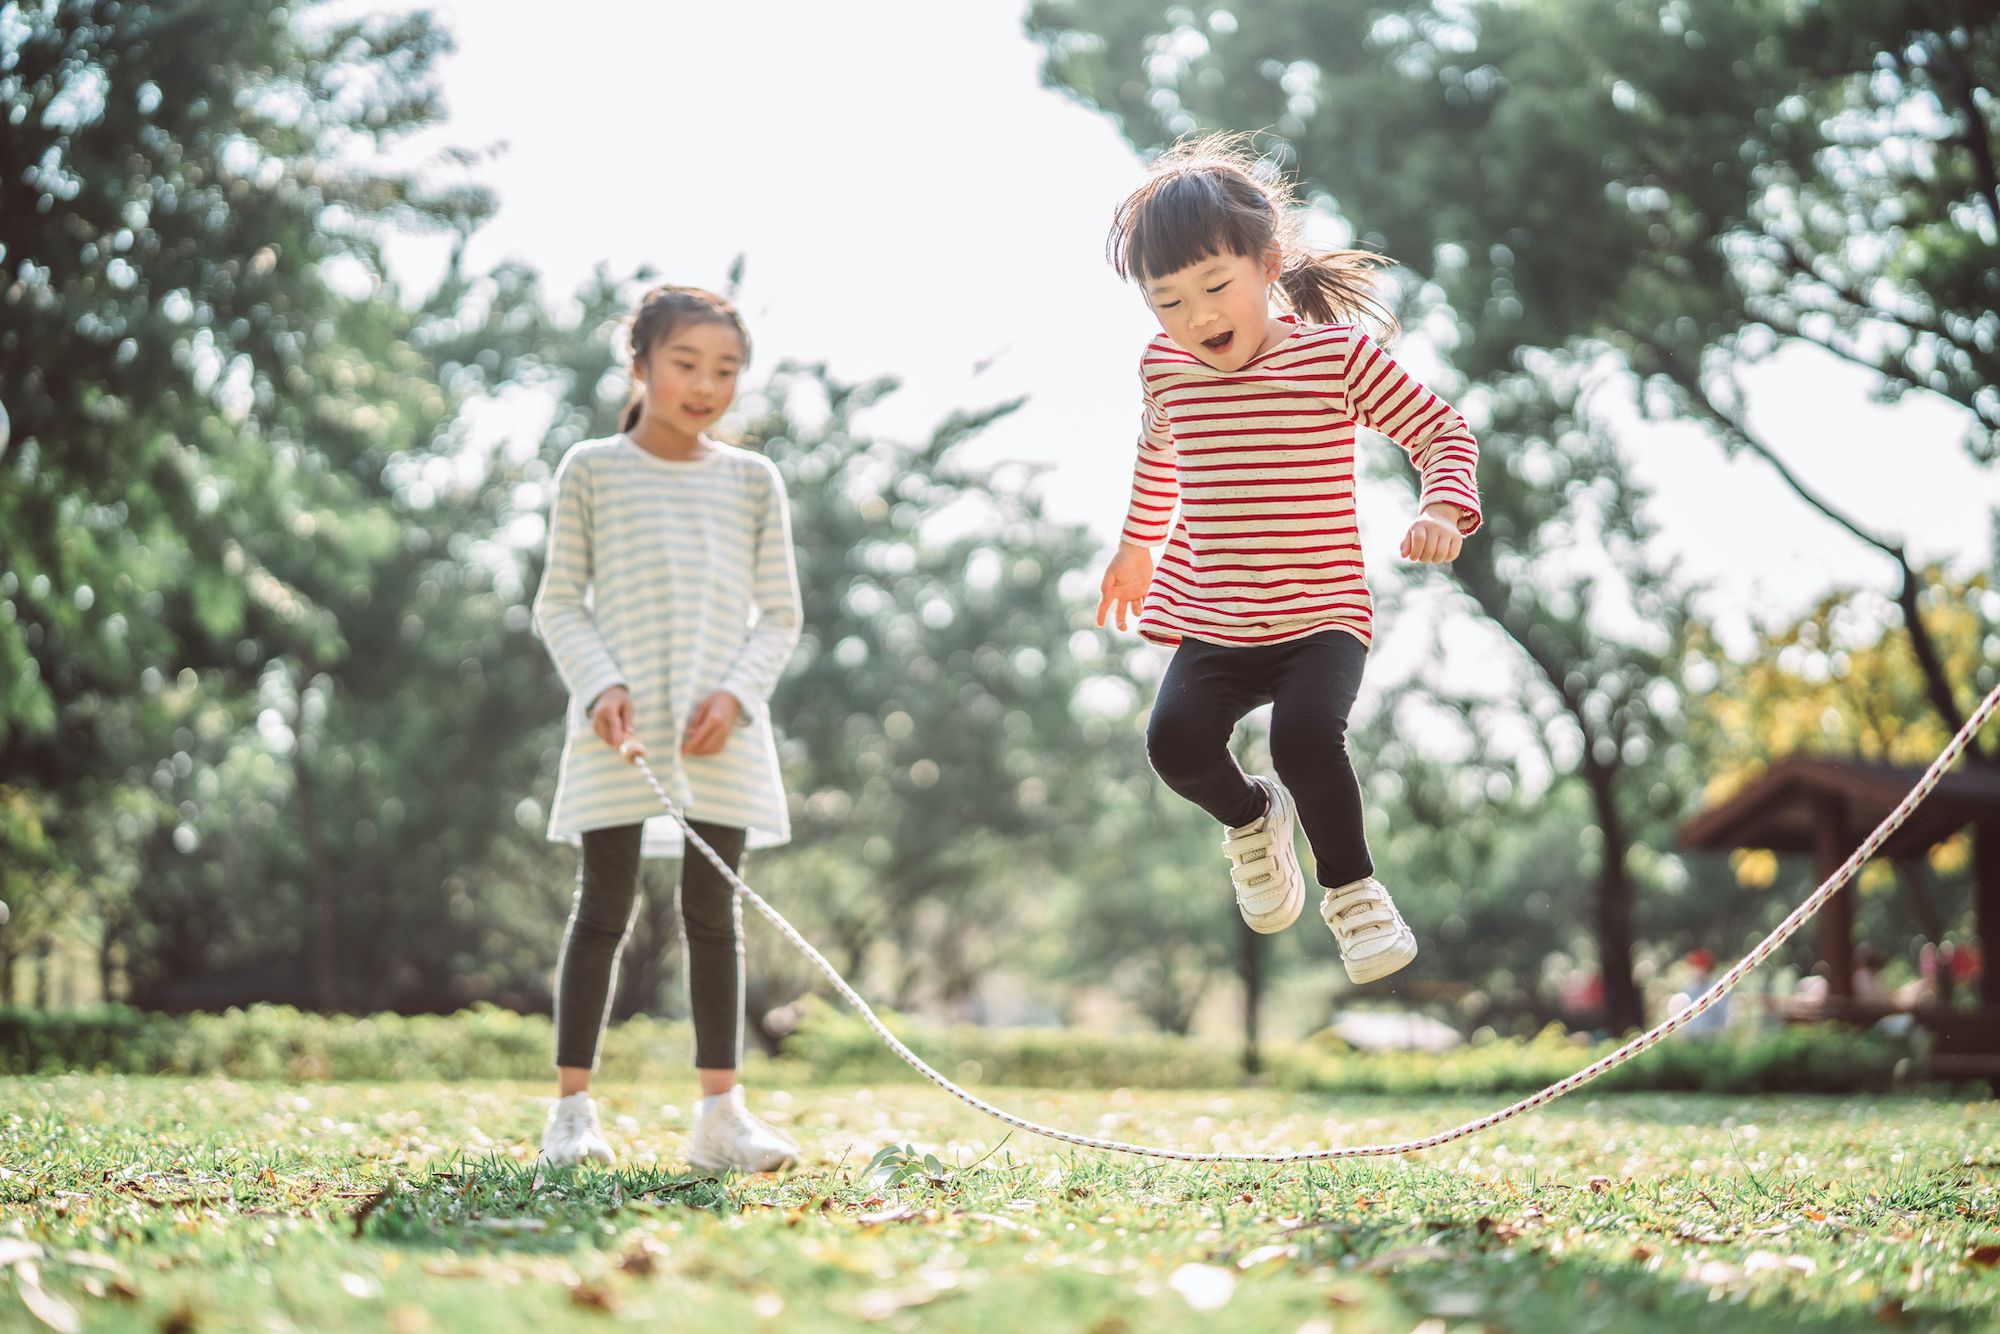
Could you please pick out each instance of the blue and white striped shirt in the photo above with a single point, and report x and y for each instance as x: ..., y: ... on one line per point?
x: 673, y: 579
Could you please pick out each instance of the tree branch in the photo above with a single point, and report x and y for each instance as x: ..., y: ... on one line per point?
x: 1937, y: 686
x: 1977, y: 138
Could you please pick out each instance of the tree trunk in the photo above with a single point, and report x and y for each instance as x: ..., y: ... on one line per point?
x: 1253, y: 949
x: 1986, y: 905
x: 1623, y: 1010
x: 1937, y: 686
x: 325, y: 947
x: 107, y: 965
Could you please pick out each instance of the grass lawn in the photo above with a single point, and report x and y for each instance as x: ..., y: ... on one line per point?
x: 205, y: 1204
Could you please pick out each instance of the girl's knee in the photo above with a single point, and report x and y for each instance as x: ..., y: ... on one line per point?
x: 1299, y: 754
x: 1178, y: 745
x: 711, y: 923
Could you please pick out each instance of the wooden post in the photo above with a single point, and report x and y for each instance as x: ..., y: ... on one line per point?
x: 1836, y: 920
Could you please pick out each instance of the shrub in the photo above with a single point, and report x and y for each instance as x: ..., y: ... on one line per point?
x: 833, y: 1046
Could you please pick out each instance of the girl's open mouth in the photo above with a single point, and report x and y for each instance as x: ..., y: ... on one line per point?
x: 1219, y: 343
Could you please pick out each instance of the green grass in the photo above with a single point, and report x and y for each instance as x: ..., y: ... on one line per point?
x: 147, y: 1203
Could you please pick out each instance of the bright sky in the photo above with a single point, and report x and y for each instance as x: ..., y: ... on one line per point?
x: 913, y: 201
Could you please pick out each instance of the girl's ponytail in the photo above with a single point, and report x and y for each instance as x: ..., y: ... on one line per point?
x: 1213, y: 196
x: 1336, y: 287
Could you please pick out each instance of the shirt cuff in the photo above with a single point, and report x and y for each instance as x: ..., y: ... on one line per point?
x: 594, y: 689
x: 748, y: 707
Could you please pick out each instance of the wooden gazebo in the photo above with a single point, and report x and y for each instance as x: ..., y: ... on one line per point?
x: 1824, y: 808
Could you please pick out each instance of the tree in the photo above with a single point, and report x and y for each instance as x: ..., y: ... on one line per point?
x: 1840, y: 682
x: 931, y: 733
x: 1627, y: 207
x: 190, y: 432
x: 1692, y: 189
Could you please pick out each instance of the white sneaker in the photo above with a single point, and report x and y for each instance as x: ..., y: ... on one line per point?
x: 1374, y: 939
x: 727, y: 1138
x: 1270, y: 889
x: 572, y: 1135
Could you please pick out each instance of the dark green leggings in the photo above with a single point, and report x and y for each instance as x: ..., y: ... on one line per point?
x: 607, y: 898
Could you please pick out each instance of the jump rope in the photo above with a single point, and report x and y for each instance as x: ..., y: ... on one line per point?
x: 633, y: 750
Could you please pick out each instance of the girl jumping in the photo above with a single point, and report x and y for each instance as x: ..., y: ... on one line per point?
x: 1246, y: 473
x: 670, y: 603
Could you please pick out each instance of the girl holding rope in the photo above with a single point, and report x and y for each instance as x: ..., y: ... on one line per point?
x: 670, y: 601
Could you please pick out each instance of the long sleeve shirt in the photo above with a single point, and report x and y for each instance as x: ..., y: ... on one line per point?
x: 1247, y: 476
x: 674, y: 580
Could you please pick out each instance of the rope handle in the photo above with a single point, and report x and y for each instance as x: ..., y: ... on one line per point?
x: 634, y: 750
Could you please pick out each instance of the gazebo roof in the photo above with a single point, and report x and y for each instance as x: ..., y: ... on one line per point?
x: 1781, y: 808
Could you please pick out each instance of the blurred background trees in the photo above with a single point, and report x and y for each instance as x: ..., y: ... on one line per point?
x: 273, y: 725
x: 1611, y: 209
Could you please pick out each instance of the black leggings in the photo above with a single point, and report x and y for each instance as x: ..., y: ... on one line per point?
x: 607, y: 898
x: 1310, y: 684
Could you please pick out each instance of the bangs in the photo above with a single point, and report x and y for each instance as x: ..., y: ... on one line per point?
x: 1185, y: 217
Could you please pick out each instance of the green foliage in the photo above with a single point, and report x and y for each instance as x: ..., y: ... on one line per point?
x: 1610, y: 199
x: 276, y: 1042
x: 833, y: 1047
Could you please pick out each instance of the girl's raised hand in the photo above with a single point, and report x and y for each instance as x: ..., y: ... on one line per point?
x: 709, y: 724
x: 1433, y: 539
x: 611, y: 716
x: 1125, y: 582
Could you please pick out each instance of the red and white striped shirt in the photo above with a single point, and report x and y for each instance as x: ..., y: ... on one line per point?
x: 1259, y: 462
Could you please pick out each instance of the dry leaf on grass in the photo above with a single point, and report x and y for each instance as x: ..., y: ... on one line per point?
x: 42, y: 1304
x: 1204, y: 1287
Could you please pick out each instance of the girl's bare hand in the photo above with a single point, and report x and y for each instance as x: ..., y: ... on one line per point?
x: 611, y: 716
x: 709, y: 724
x: 1126, y: 580
x: 1434, y: 538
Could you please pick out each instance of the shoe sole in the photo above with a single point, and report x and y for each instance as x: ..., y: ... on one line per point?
x: 706, y: 1164
x: 1378, y: 966
x: 1287, y: 855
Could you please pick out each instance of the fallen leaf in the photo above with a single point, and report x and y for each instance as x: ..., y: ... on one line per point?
x: 42, y: 1304
x: 901, y: 1213
x: 14, y: 1251
x: 592, y: 1297
x: 1760, y: 1261
x: 375, y: 1200
x: 1716, y: 1273
x: 1987, y: 1255
x: 1391, y: 1259
x: 1266, y: 1254
x: 882, y: 1303
x: 1203, y: 1287
x: 1005, y: 1224
x: 1598, y: 1185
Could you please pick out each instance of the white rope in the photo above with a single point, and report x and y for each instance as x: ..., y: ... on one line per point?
x: 1784, y: 930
